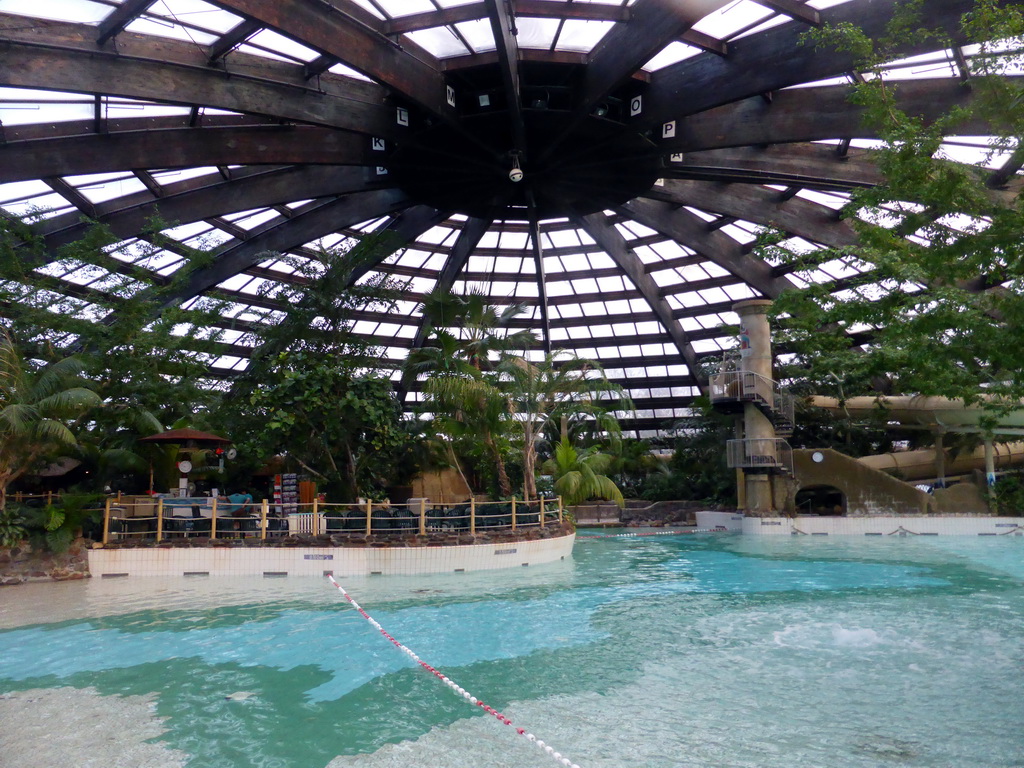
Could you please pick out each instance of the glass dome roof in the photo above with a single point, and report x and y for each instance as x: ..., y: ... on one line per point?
x: 655, y: 138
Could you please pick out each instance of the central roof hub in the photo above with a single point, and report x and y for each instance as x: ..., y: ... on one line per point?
x: 598, y: 164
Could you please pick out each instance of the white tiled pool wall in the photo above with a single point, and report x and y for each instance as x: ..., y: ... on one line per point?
x: 316, y: 561
x: 884, y: 526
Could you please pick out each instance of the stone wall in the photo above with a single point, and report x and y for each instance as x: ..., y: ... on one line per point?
x: 640, y: 512
x: 21, y: 564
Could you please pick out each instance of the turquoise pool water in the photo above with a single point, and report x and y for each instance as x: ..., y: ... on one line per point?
x: 692, y: 650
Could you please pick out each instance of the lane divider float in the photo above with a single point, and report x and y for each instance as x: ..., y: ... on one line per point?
x: 584, y: 537
x: 451, y: 684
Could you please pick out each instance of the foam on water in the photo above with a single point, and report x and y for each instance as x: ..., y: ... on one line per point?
x: 665, y: 651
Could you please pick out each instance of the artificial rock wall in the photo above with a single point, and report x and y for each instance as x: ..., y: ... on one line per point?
x: 21, y: 563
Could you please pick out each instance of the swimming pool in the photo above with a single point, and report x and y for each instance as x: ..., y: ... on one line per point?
x: 692, y: 650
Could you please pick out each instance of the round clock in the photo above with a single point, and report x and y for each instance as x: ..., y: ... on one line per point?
x: 185, y: 466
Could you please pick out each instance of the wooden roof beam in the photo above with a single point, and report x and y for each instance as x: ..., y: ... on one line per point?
x: 705, y: 42
x: 775, y: 59
x: 614, y: 244
x: 167, y: 70
x: 503, y: 27
x: 233, y: 38
x: 121, y: 17
x: 794, y: 9
x: 999, y: 178
x: 317, y: 221
x: 181, y: 148
x: 690, y: 230
x: 72, y: 195
x: 200, y: 198
x: 344, y: 30
x: 543, y: 9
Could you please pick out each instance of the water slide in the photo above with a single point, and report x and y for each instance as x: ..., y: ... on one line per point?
x: 935, y: 414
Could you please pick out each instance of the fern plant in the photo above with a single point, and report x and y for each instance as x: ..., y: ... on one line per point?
x: 12, y: 528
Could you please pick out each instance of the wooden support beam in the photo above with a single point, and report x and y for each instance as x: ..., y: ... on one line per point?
x: 181, y: 148
x: 150, y: 182
x: 121, y: 17
x: 201, y: 197
x: 465, y: 244
x: 344, y: 30
x: 705, y: 42
x: 998, y: 179
x: 97, y: 114
x: 614, y: 244
x: 72, y: 195
x: 794, y: 9
x: 503, y: 27
x: 319, y: 65
x: 690, y: 230
x: 542, y: 289
x: 148, y: 68
x: 628, y: 46
x: 813, y: 114
x: 233, y: 38
x: 775, y: 59
x: 759, y: 205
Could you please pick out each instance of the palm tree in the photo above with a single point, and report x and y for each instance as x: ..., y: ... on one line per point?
x: 462, y: 389
x: 483, y: 327
x: 473, y: 407
x: 581, y: 476
x: 540, y: 393
x: 36, y: 408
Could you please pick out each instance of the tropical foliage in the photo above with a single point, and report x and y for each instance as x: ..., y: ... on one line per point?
x: 542, y: 392
x: 340, y: 426
x: 468, y: 336
x: 937, y: 280
x: 39, y: 411
x: 580, y: 475
x: 698, y: 468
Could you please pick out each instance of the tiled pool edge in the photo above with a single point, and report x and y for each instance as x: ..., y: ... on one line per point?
x: 908, y: 525
x: 864, y: 525
x: 316, y: 561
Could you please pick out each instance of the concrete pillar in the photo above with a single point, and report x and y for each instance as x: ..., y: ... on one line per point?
x: 940, y: 459
x: 990, y: 463
x: 756, y: 357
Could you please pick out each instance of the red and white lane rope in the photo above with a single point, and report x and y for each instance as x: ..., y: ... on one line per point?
x: 451, y: 684
x: 584, y: 537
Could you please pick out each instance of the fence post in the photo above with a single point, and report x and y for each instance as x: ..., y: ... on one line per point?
x: 513, y: 513
x: 369, y: 517
x: 316, y: 516
x: 559, y: 510
x: 213, y: 519
x: 472, y: 514
x: 541, y: 511
x: 423, y: 517
x: 264, y: 508
x: 106, y: 521
x: 159, y: 519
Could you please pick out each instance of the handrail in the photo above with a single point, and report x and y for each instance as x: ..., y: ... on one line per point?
x: 759, y: 453
x: 154, y: 519
x: 752, y: 387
